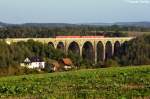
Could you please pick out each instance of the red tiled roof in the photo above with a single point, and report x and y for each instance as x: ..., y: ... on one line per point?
x: 67, y: 61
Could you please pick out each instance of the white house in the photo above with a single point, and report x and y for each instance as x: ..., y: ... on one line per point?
x: 33, y: 62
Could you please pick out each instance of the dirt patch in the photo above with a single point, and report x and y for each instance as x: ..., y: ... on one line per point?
x: 132, y: 86
x: 145, y: 97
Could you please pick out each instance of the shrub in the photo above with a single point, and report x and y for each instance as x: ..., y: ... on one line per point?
x: 111, y: 63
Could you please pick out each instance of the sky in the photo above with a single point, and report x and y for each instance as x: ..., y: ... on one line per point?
x: 74, y: 11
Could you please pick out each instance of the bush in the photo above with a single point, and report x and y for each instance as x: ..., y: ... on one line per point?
x: 111, y: 63
x: 48, y: 67
x: 17, y: 70
x: 76, y: 59
x: 99, y: 64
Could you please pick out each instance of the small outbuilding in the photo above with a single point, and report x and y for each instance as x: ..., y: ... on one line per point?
x: 66, y: 63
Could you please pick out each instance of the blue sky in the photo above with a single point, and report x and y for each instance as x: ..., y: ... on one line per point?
x: 73, y: 11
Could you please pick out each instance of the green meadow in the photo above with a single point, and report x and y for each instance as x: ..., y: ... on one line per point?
x: 105, y: 83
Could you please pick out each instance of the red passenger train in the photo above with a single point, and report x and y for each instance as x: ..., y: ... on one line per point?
x: 79, y: 36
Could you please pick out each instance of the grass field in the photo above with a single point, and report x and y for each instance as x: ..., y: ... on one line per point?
x: 110, y: 83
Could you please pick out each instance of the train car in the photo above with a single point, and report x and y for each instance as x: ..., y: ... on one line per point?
x: 79, y: 36
x: 92, y: 36
x: 68, y: 36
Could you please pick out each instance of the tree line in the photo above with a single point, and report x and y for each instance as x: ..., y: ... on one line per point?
x: 82, y: 30
x: 135, y: 52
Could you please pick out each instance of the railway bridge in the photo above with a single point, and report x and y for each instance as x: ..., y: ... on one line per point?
x: 91, y: 48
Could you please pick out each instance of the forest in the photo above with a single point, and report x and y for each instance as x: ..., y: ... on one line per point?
x: 81, y: 30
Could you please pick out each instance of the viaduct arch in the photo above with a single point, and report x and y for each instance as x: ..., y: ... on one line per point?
x: 74, y: 48
x: 117, y: 46
x: 61, y: 46
x: 100, y: 51
x: 95, y: 49
x: 108, y: 50
x: 88, y: 51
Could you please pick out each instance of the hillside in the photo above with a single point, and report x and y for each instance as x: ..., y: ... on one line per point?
x: 2, y: 24
x: 122, y: 83
x: 51, y: 25
x: 136, y: 24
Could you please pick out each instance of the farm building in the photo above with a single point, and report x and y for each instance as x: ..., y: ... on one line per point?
x: 66, y: 63
x: 33, y: 62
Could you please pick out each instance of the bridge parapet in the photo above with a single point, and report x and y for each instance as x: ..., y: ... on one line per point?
x: 46, y: 40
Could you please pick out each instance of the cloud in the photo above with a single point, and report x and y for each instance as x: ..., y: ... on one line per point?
x: 138, y: 1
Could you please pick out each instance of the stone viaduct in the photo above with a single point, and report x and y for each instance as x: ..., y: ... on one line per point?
x: 95, y: 49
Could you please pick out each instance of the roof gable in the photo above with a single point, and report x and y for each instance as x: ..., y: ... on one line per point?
x: 27, y: 60
x: 36, y: 59
x: 33, y: 59
x: 67, y: 61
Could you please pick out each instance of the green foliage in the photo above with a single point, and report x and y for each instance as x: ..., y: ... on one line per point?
x: 17, y: 70
x: 126, y: 83
x: 48, y: 65
x: 76, y: 58
x: 136, y: 51
x: 5, y: 55
x: 14, y: 54
x: 44, y: 32
x: 111, y: 63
